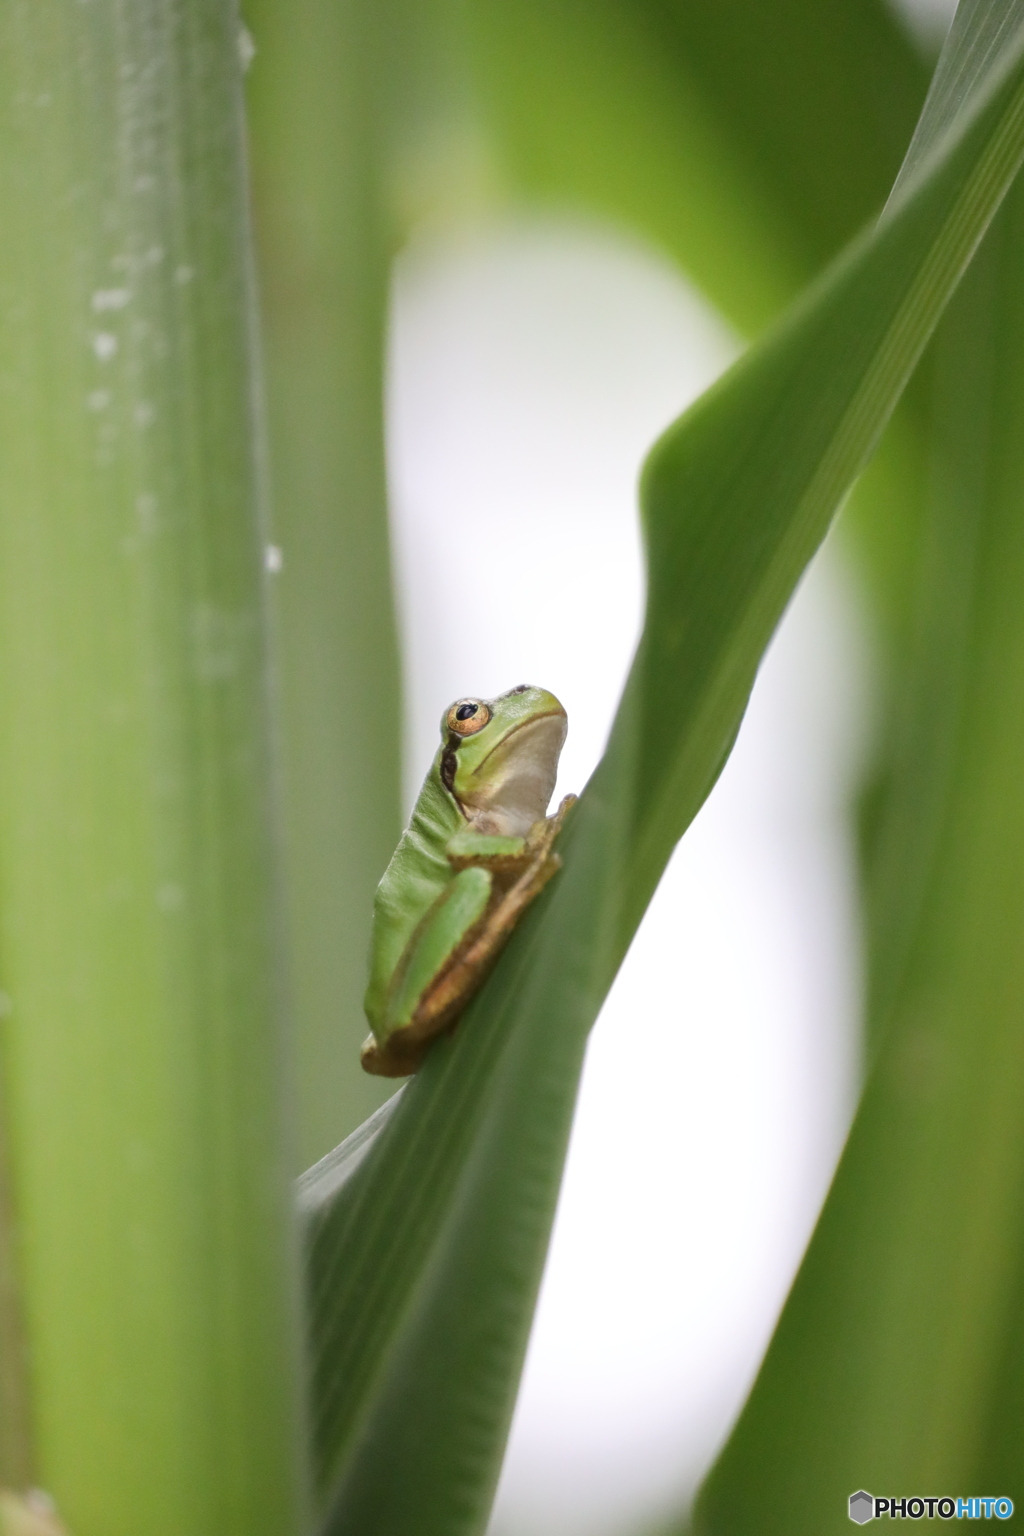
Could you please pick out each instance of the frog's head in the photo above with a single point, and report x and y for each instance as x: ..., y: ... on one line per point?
x: 499, y: 758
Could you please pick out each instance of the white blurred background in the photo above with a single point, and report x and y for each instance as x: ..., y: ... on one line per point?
x: 532, y: 364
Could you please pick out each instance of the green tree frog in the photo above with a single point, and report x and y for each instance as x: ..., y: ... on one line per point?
x: 477, y: 850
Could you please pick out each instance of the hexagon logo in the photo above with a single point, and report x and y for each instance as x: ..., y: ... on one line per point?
x: 862, y: 1507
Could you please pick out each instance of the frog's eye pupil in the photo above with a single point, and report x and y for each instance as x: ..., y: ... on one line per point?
x: 466, y: 711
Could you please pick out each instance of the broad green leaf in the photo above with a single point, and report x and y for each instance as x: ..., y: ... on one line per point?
x: 140, y: 1011
x: 423, y: 1265
x: 898, y: 1360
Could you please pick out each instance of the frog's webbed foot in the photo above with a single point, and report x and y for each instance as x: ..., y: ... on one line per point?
x: 542, y: 834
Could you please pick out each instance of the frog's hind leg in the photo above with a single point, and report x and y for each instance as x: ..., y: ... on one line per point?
x: 457, y: 984
x: 441, y: 1003
x: 441, y: 935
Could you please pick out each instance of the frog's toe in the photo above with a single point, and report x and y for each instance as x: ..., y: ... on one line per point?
x: 369, y: 1054
x: 398, y: 1056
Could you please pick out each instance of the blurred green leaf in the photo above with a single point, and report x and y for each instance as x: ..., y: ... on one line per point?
x: 138, y: 945
x: 748, y: 138
x: 321, y: 94
x: 424, y: 1263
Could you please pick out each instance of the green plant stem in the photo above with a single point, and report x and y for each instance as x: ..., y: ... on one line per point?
x: 138, y: 939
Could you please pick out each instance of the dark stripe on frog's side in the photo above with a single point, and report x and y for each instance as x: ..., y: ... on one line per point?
x: 449, y: 763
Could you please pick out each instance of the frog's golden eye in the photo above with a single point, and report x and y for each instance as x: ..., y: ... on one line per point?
x: 467, y: 716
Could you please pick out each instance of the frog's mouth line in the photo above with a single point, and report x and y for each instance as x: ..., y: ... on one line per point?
x: 549, y: 714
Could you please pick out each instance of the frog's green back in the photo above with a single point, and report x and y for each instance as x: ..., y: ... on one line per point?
x: 416, y: 876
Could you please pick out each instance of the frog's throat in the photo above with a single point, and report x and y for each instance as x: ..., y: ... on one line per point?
x: 521, y: 772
